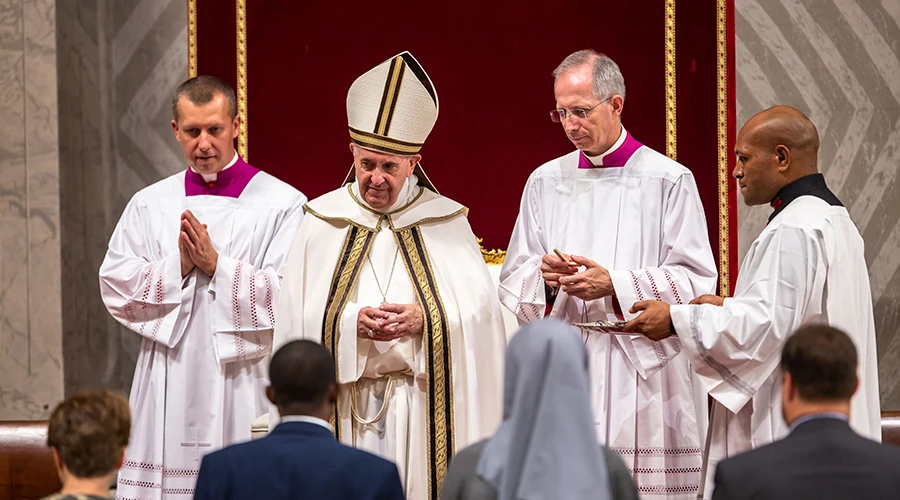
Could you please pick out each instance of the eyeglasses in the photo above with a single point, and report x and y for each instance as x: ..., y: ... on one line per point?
x: 559, y: 115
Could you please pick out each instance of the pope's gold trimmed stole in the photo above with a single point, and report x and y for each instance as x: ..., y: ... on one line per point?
x: 346, y: 272
x: 436, y: 337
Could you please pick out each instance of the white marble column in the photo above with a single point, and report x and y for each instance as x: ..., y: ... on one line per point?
x: 31, y: 373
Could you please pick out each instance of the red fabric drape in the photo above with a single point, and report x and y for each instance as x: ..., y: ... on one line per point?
x: 491, y: 65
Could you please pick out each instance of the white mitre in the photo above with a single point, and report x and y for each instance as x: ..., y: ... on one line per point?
x: 391, y: 109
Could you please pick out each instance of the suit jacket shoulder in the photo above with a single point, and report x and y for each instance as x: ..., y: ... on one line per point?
x: 822, y: 459
x: 298, y: 460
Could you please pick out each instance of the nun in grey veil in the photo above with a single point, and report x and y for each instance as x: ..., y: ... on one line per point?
x: 546, y: 447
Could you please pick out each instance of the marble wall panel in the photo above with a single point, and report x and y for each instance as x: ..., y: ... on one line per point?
x: 30, y: 331
x: 838, y: 61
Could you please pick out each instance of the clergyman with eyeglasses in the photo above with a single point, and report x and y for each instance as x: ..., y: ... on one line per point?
x: 607, y: 225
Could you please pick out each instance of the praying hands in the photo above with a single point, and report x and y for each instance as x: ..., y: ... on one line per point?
x: 195, y: 246
x: 389, y: 321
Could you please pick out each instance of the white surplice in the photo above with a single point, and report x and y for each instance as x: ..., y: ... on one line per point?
x: 465, y: 297
x: 201, y: 372
x: 643, y: 222
x: 806, y: 266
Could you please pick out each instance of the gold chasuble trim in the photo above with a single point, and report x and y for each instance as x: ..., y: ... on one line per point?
x: 435, y: 339
x: 346, y: 272
x: 436, y: 342
x: 429, y: 220
x: 312, y: 212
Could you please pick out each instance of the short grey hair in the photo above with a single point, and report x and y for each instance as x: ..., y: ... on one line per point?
x: 608, y: 80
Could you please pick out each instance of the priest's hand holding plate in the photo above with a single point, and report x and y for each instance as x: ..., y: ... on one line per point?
x: 197, y: 243
x: 556, y: 265
x: 708, y: 299
x: 654, y: 322
x: 591, y: 284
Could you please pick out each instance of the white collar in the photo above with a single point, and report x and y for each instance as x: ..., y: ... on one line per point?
x: 598, y: 160
x: 307, y: 419
x: 407, y: 191
x: 213, y: 177
x: 344, y: 204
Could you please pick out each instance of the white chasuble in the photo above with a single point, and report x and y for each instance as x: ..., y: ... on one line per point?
x: 201, y: 370
x: 641, y: 218
x: 413, y: 400
x: 806, y: 266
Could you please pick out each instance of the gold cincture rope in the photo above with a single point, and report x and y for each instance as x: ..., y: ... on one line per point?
x: 388, y: 392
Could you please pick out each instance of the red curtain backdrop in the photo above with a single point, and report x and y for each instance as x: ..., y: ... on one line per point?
x: 490, y: 63
x: 697, y: 126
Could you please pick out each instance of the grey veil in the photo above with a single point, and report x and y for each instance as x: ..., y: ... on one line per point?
x: 546, y: 448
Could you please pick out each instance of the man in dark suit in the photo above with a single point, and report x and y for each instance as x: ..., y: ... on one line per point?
x: 300, y: 459
x: 822, y: 458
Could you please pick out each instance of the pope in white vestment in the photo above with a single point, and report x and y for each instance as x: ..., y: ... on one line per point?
x: 201, y: 373
x: 637, y: 214
x: 806, y: 266
x: 388, y: 275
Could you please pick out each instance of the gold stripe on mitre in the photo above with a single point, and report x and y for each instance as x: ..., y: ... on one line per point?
x: 389, y: 97
x: 383, y: 144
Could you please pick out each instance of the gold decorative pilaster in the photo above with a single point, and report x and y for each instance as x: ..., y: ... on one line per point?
x: 722, y: 116
x: 241, y: 16
x: 192, y: 38
x: 671, y: 136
